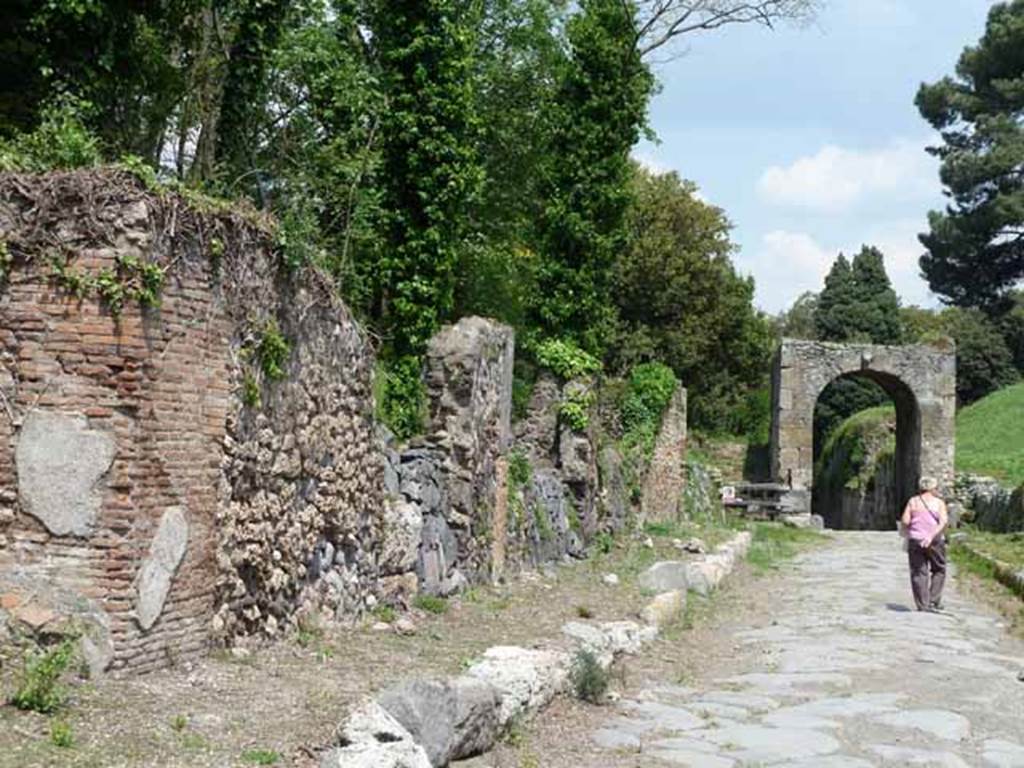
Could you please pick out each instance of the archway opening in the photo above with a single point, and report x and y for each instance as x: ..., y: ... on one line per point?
x: 867, y: 450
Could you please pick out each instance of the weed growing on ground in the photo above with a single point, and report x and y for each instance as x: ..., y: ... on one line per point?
x: 774, y: 543
x: 431, y: 604
x: 40, y: 689
x: 61, y: 734
x: 261, y: 757
x: 584, y: 612
x: 589, y: 679
x: 385, y: 613
x: 179, y: 723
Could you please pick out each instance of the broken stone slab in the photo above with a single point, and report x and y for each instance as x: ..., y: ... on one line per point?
x: 804, y: 521
x: 664, y: 576
x: 609, y: 639
x: 665, y: 608
x: 704, y: 577
x: 372, y: 738
x: 451, y: 719
x: 60, y: 462
x: 525, y: 679
x: 165, y: 554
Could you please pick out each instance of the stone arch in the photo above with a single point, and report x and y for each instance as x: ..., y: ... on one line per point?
x: 921, y: 380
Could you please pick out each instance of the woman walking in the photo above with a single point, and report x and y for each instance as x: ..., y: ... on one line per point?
x: 924, y: 520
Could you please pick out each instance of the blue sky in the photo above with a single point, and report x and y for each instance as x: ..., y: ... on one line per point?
x: 809, y: 138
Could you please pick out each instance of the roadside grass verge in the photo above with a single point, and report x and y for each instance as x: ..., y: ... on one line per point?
x: 979, y: 577
x: 774, y: 543
x: 989, y: 440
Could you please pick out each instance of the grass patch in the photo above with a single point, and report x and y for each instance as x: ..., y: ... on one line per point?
x: 61, y: 734
x: 261, y: 757
x: 774, y: 543
x: 589, y: 679
x: 40, y: 689
x: 1005, y: 547
x: 989, y: 440
x: 385, y: 613
x: 431, y: 604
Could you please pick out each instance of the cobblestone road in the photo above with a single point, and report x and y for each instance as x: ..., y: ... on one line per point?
x: 840, y: 674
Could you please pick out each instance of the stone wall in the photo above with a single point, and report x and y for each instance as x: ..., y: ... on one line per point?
x: 990, y: 505
x: 141, y: 495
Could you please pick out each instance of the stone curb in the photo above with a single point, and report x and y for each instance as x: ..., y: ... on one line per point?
x: 429, y: 723
x: 1004, y: 572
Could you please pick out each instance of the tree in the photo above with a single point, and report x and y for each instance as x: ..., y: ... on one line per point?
x: 797, y: 322
x: 983, y: 361
x: 429, y: 171
x: 660, y: 22
x: 975, y: 248
x: 600, y: 108
x: 681, y: 301
x: 835, y: 303
x: 858, y: 303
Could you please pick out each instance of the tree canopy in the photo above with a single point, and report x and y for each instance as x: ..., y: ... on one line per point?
x: 975, y: 248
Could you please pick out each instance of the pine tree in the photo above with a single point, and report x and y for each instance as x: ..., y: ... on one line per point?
x: 876, y: 308
x: 831, y: 317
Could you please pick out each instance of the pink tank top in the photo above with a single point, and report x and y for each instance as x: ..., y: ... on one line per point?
x: 924, y: 518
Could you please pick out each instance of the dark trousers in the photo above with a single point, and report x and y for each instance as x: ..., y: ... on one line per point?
x: 927, y: 572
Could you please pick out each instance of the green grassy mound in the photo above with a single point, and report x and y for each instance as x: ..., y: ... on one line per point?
x: 990, y: 436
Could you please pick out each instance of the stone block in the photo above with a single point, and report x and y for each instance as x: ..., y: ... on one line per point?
x: 372, y: 738
x: 664, y: 576
x: 60, y: 463
x: 451, y: 719
x: 665, y: 608
x: 525, y: 679
x: 165, y: 554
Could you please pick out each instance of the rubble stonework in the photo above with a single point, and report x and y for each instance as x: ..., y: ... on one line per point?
x: 920, y: 379
x: 138, y: 490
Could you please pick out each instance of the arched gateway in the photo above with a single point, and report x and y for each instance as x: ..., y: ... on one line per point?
x: 921, y: 380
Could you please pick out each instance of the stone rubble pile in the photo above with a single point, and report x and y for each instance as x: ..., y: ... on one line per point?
x: 423, y: 723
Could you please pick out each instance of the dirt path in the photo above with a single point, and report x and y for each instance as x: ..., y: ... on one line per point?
x: 823, y: 665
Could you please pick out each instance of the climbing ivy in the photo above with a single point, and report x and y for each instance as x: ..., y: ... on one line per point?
x: 132, y: 279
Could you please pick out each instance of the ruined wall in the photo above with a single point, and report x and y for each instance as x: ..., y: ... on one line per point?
x: 139, y: 490
x: 666, y: 478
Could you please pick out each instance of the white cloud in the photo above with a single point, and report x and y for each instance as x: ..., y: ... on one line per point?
x: 786, y: 264
x: 835, y: 179
x: 651, y: 163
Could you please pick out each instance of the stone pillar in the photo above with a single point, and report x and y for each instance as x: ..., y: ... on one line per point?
x: 666, y: 476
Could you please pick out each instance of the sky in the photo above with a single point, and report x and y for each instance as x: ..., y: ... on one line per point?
x: 809, y: 139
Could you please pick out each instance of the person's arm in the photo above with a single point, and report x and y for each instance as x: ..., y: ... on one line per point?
x: 905, y: 519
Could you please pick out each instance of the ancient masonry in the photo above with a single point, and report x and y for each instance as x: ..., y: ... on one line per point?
x: 203, y: 464
x: 920, y: 379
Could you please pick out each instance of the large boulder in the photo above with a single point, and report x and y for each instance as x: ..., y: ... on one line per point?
x: 371, y: 738
x: 665, y: 608
x: 451, y: 719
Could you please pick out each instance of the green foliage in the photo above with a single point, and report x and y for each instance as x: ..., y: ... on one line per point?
x: 604, y: 542
x: 401, y: 397
x: 574, y: 410
x: 975, y: 247
x: 258, y: 756
x: 984, y: 362
x: 519, y: 470
x: 61, y: 734
x: 60, y: 141
x: 40, y: 688
x: 651, y: 386
x: 797, y: 322
x: 431, y: 604
x: 179, y: 722
x: 566, y: 359
x: 989, y: 440
x: 589, y: 679
x: 385, y: 613
x: 858, y: 303
x: 250, y: 390
x: 840, y: 400
x: 844, y: 459
x: 133, y: 280
x: 681, y: 301
x: 272, y: 351
x: 774, y: 543
x: 597, y: 116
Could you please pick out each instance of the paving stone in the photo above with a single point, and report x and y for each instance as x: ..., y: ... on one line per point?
x: 935, y: 722
x: 918, y: 756
x: 1000, y: 753
x: 760, y: 744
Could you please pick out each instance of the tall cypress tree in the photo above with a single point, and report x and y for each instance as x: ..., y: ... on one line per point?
x: 831, y: 317
x: 876, y: 308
